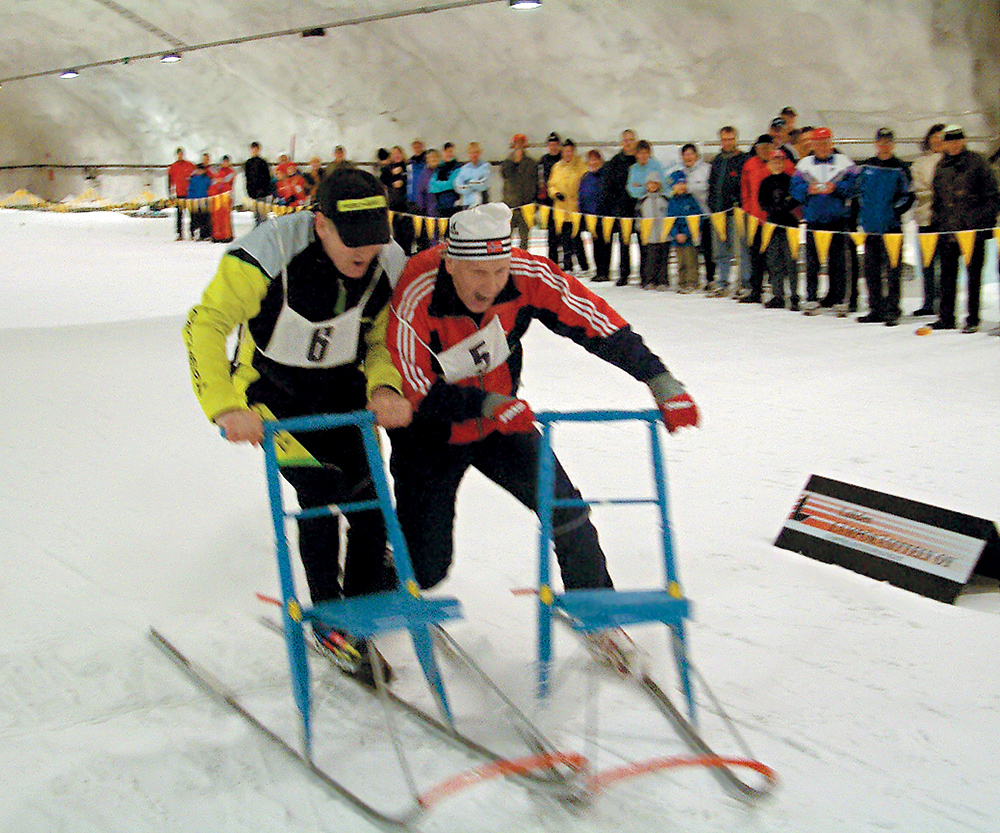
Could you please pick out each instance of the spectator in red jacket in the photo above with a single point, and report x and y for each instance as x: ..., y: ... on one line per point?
x: 291, y: 187
x: 178, y: 175
x: 221, y: 207
x: 755, y: 171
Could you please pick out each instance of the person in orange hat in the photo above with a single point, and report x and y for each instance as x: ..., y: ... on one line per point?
x: 519, y: 173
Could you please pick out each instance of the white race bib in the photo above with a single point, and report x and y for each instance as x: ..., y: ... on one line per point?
x: 476, y: 355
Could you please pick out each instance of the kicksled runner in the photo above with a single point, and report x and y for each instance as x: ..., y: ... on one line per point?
x: 594, y: 616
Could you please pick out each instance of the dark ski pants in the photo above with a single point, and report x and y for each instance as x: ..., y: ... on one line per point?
x: 654, y: 264
x: 602, y: 255
x: 883, y: 304
x: 931, y: 274
x: 624, y: 251
x: 836, y: 264
x: 951, y: 254
x: 427, y: 473
x: 343, y: 477
x: 572, y: 246
x: 782, y: 269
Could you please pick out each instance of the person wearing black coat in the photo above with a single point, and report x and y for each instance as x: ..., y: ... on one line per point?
x: 618, y: 202
x: 257, y: 173
x: 966, y: 198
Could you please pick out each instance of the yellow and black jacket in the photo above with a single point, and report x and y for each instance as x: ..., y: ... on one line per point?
x: 247, y: 293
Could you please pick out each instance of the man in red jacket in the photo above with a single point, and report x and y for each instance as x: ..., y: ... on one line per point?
x: 458, y: 314
x: 178, y: 175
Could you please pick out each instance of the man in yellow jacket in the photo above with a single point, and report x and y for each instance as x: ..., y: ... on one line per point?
x: 564, y: 189
x: 309, y: 292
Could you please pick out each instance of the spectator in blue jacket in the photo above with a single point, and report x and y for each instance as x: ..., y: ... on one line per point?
x: 824, y: 184
x: 683, y: 205
x: 592, y: 203
x: 198, y: 185
x: 884, y: 195
x: 645, y: 164
x: 473, y: 180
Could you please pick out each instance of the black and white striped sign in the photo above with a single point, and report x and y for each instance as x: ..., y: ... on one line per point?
x: 919, y: 547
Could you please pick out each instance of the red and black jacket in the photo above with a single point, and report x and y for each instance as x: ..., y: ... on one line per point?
x: 428, y: 317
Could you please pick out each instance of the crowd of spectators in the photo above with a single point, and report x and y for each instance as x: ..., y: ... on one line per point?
x: 729, y: 226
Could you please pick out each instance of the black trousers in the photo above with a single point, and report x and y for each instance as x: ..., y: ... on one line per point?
x: 602, y: 254
x: 931, y: 274
x: 403, y: 232
x: 343, y: 477
x: 654, y: 264
x: 572, y: 246
x: 836, y: 264
x: 950, y: 256
x: 427, y: 472
x: 705, y: 247
x: 883, y: 304
x: 553, y: 237
x: 624, y: 251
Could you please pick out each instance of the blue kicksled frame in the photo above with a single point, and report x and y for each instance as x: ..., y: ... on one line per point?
x: 362, y: 616
x: 596, y: 610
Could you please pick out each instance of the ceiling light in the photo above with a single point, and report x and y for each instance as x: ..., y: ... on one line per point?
x: 525, y: 4
x: 69, y: 73
x: 170, y: 58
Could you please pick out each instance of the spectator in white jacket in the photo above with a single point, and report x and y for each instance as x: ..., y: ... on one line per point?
x: 473, y: 180
x: 698, y: 172
x: 922, y: 172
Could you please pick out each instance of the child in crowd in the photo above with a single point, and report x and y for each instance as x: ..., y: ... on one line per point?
x: 780, y: 207
x: 654, y: 253
x: 198, y: 185
x: 682, y: 205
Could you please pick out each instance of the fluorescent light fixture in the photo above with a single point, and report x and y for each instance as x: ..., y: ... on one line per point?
x: 170, y: 58
x: 525, y: 4
x: 69, y: 73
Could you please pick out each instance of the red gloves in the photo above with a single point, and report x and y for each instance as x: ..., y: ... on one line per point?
x: 675, y: 403
x: 679, y: 412
x: 513, y: 416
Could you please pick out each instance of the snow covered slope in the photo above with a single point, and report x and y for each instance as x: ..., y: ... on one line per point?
x: 121, y: 507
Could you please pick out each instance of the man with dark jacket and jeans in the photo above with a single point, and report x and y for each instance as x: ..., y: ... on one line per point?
x: 724, y: 195
x: 966, y: 199
x: 618, y: 202
x: 884, y: 195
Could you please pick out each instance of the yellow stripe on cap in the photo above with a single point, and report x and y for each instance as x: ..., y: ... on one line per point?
x: 361, y: 204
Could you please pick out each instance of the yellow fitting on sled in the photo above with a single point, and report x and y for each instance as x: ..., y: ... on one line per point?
x: 413, y: 588
x: 674, y: 589
x: 294, y: 610
x: 546, y: 595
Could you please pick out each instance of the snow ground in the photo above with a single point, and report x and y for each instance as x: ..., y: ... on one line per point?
x: 121, y: 508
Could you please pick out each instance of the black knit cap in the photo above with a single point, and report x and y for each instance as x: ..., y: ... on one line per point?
x: 354, y: 201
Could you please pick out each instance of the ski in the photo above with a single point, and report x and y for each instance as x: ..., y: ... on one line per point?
x: 564, y: 784
x: 624, y: 666
x: 210, y: 684
x: 724, y: 774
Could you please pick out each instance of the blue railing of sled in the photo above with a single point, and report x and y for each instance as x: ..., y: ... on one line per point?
x: 363, y: 616
x: 594, y: 610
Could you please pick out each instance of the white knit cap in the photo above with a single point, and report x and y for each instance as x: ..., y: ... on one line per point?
x: 480, y: 233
